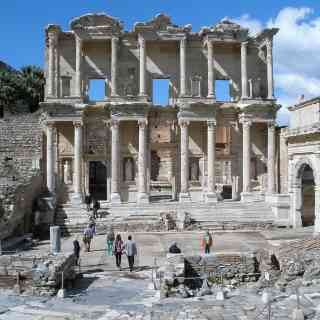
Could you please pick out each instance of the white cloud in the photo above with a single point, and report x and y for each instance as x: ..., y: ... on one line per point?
x: 296, y: 53
x: 252, y: 24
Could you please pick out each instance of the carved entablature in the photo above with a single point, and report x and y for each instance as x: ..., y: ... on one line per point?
x: 225, y: 30
x: 161, y: 24
x: 96, y: 26
x: 129, y: 112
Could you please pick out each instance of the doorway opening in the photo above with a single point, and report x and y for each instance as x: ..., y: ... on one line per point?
x: 98, y: 180
x: 308, y: 197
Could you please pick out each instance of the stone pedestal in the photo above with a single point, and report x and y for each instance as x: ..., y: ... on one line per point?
x: 55, y: 239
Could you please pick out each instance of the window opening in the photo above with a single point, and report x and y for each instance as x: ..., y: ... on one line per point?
x: 160, y: 90
x: 222, y: 88
x: 97, y: 89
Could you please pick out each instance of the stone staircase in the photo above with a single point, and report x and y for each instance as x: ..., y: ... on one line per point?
x: 224, y: 215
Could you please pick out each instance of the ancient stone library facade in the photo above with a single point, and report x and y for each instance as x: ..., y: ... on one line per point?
x: 125, y: 147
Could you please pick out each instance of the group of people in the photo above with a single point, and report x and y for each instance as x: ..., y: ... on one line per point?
x: 88, y: 199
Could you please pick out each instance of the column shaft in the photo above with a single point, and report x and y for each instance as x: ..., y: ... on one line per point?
x: 211, y: 76
x: 77, y: 157
x: 142, y: 162
x: 246, y: 156
x: 211, y: 184
x: 51, y: 63
x: 271, y: 160
x: 50, y: 159
x: 184, y: 147
x: 78, y: 85
x: 270, y: 69
x: 183, y: 45
x: 115, y: 158
x: 114, y: 65
x: 142, y: 53
x: 244, y: 76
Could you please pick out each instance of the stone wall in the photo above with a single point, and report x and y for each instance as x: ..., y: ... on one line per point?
x: 21, y: 178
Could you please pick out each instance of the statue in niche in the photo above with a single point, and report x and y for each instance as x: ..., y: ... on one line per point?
x: 155, y: 166
x: 194, y: 169
x: 67, y: 172
x: 128, y: 169
x: 196, y: 86
x: 130, y: 87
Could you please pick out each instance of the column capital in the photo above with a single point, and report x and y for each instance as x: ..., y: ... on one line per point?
x: 77, y: 123
x: 53, y: 38
x: 244, y: 44
x: 141, y: 41
x: 317, y: 188
x: 271, y: 125
x: 143, y: 123
x: 245, y: 121
x: 114, y: 38
x: 184, y: 123
x: 113, y: 123
x: 212, y: 124
x: 50, y: 124
x: 183, y: 42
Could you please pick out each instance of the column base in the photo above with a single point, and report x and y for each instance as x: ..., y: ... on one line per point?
x: 143, y: 198
x: 211, y: 197
x: 76, y: 198
x: 248, y: 197
x: 184, y: 197
x: 115, y: 197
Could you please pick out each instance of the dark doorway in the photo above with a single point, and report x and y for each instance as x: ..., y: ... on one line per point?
x: 308, y: 206
x: 98, y: 180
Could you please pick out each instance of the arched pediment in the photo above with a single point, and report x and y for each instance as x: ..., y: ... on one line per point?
x: 98, y: 21
x: 160, y: 23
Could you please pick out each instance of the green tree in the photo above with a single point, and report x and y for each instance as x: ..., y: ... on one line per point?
x: 26, y: 86
x: 33, y: 82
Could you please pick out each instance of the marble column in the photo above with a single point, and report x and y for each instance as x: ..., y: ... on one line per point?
x: 317, y: 209
x: 77, y: 160
x: 78, y: 84
x: 183, y: 61
x: 50, y: 158
x: 211, y: 195
x: 114, y: 65
x: 143, y: 196
x: 271, y: 158
x: 246, y: 144
x: 142, y: 61
x: 244, y: 76
x: 211, y: 76
x: 53, y: 39
x: 184, y: 166
x: 270, y: 69
x: 115, y: 161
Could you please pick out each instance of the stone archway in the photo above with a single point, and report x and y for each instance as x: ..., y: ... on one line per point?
x: 305, y: 209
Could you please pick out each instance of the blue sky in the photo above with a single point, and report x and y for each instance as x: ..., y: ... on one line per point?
x: 22, y: 26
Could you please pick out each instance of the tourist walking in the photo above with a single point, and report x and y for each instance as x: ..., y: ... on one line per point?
x: 88, y: 200
x: 118, y: 250
x: 76, y: 250
x: 110, y: 240
x: 206, y: 242
x: 96, y: 207
x: 131, y: 251
x: 87, y: 237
